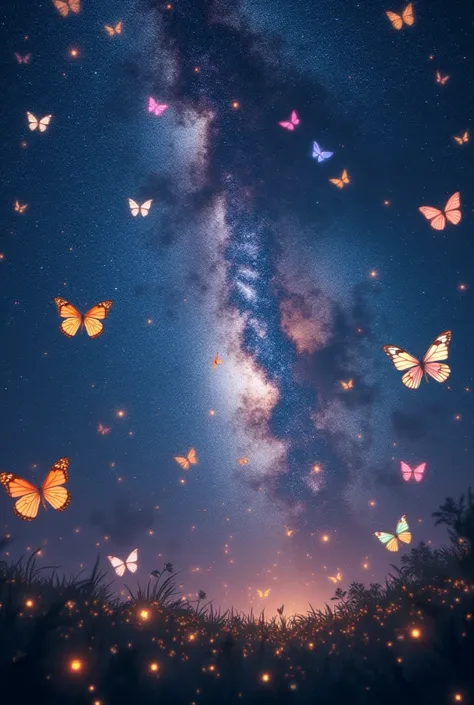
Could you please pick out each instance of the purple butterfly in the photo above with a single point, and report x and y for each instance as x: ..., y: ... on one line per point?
x: 319, y: 154
x: 23, y: 59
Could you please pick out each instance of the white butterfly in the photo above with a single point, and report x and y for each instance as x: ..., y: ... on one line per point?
x: 35, y: 124
x: 131, y: 563
x: 135, y: 208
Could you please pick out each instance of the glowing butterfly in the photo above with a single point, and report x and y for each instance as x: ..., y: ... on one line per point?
x: 347, y: 385
x: 131, y: 563
x: 409, y: 473
x: 289, y: 532
x: 392, y: 541
x: 407, y: 17
x: 19, y: 207
x: 22, y: 59
x: 74, y: 320
x: 112, y: 31
x: 64, y: 7
x: 135, y: 209
x: 340, y: 183
x: 41, y: 124
x: 216, y: 361
x: 430, y: 365
x: 319, y: 154
x: 451, y: 213
x: 291, y: 123
x: 30, y: 497
x: 263, y: 593
x: 243, y: 461
x: 462, y: 139
x: 335, y: 578
x: 103, y: 430
x: 442, y: 80
x: 190, y: 459
x: 156, y: 108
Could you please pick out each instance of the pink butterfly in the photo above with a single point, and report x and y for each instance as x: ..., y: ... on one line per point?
x: 409, y: 473
x: 451, y: 213
x: 291, y: 123
x: 23, y: 59
x: 103, y: 430
x: 156, y: 108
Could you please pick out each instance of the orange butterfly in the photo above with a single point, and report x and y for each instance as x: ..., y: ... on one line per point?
x: 216, y: 361
x: 66, y: 6
x: 190, y: 459
x: 91, y: 320
x: 407, y: 17
x: 289, y: 532
x: 442, y: 80
x: 451, y: 213
x: 112, y: 31
x: 263, y: 593
x: 103, y: 430
x: 340, y: 183
x: 347, y: 385
x: 243, y: 461
x: 335, y: 578
x: 19, y: 208
x: 462, y: 138
x: 26, y: 507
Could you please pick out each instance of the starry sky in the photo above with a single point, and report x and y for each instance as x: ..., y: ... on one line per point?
x: 247, y: 251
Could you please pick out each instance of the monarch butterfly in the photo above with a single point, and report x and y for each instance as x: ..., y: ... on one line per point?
x: 407, y: 17
x: 347, y: 385
x: 243, y: 461
x: 292, y: 122
x: 186, y: 462
x: 409, y: 473
x: 340, y: 183
x: 216, y: 361
x: 451, y: 213
x: 74, y: 320
x: 131, y: 563
x: 263, y: 593
x: 135, y: 208
x: 462, y: 139
x: 66, y: 6
x: 430, y: 365
x: 335, y: 578
x: 30, y: 497
x: 20, y: 208
x: 112, y: 31
x: 442, y: 80
x: 35, y: 124
x: 402, y: 534
x: 22, y: 59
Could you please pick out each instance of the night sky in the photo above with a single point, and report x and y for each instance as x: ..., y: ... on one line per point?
x: 247, y: 251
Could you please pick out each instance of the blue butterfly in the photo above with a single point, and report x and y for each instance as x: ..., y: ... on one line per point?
x: 319, y: 154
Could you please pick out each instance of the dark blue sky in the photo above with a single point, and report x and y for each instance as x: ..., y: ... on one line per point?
x: 248, y: 250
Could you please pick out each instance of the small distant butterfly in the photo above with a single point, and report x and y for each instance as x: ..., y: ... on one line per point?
x: 20, y: 207
x: 442, y: 80
x: 319, y: 154
x: 243, y: 461
x: 66, y: 6
x: 289, y: 532
x: 347, y: 385
x: 407, y: 17
x: 291, y: 123
x: 335, y: 578
x: 22, y: 59
x: 135, y: 208
x: 131, y: 563
x: 340, y: 183
x: 462, y: 139
x: 216, y: 361
x: 451, y: 213
x: 74, y: 320
x: 392, y: 541
x: 264, y: 593
x: 156, y: 108
x: 430, y: 365
x: 280, y: 610
x: 112, y: 31
x: 103, y: 430
x: 409, y: 473
x: 186, y: 462
x: 30, y: 497
x: 41, y: 124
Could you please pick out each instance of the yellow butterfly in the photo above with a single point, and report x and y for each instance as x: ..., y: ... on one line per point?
x: 442, y: 80
x: 407, y: 17
x: 289, y: 532
x: 135, y: 208
x: 462, y: 138
x: 347, y: 385
x: 112, y: 31
x: 190, y: 459
x: 340, y: 183
x: 66, y: 6
x: 335, y: 578
x: 263, y: 593
x: 243, y: 461
x: 216, y: 361
x: 20, y: 208
x: 35, y: 124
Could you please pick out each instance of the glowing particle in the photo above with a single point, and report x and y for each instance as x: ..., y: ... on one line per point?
x: 462, y: 287
x: 120, y: 414
x: 2, y: 256
x: 235, y: 105
x: 144, y: 615
x: 457, y: 697
x: 196, y: 69
x: 75, y: 665
x: 212, y: 412
x: 373, y: 274
x: 29, y: 603
x: 325, y: 538
x: 386, y: 203
x: 265, y: 677
x: 457, y: 417
x: 73, y: 53
x: 316, y: 468
x: 154, y: 667
x: 415, y: 633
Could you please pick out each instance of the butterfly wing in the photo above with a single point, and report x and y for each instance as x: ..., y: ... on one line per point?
x: 134, y: 207
x: 26, y: 507
x: 117, y: 565
x: 192, y: 457
x: 435, y: 216
x: 439, y: 348
x: 32, y: 121
x: 53, y: 492
x: 402, y: 530
x: 287, y: 125
x: 401, y: 359
x: 326, y: 155
x: 75, y: 6
x: 132, y: 561
x: 182, y: 462
x: 412, y: 378
x: 452, y: 212
x: 73, y: 319
x: 294, y: 118
x: 419, y: 471
x: 316, y: 151
x: 389, y: 540
x: 407, y: 472
x: 145, y: 207
x: 345, y: 177
x: 44, y: 122
x: 110, y: 30
x: 337, y: 182
x: 93, y: 318
x: 62, y: 7
x: 396, y: 20
x: 408, y: 15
